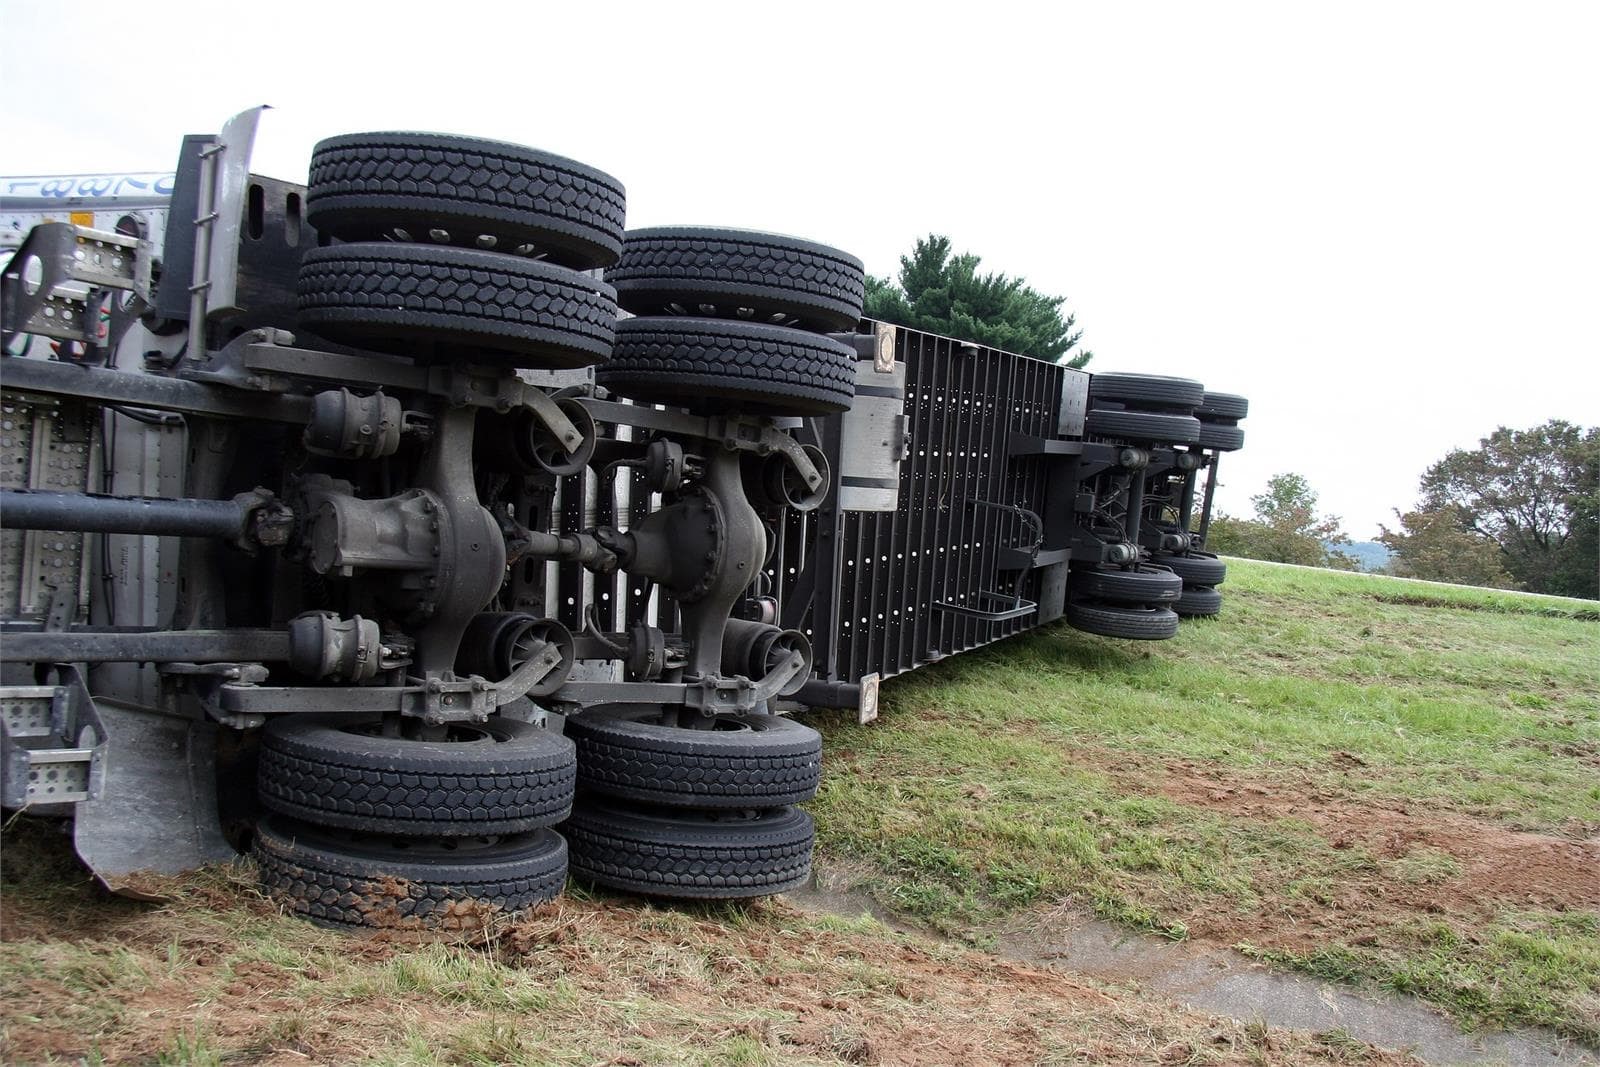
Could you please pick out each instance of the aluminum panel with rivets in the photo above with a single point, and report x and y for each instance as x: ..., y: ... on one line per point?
x: 872, y: 439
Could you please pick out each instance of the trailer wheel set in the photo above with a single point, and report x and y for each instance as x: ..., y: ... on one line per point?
x: 508, y: 534
x: 1172, y: 576
x: 721, y: 319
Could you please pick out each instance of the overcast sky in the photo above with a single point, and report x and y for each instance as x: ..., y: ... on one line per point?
x: 1380, y: 221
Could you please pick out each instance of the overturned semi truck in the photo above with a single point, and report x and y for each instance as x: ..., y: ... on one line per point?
x: 352, y: 524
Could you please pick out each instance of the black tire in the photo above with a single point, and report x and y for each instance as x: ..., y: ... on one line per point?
x: 407, y: 298
x: 501, y: 777
x: 1147, y: 390
x: 1220, y: 438
x: 1130, y: 623
x: 466, y: 192
x: 690, y: 854
x: 1142, y: 584
x: 351, y: 880
x: 1195, y: 568
x: 1143, y: 426
x: 1222, y: 406
x: 765, y: 277
x: 698, y: 363
x: 1200, y: 601
x: 750, y: 761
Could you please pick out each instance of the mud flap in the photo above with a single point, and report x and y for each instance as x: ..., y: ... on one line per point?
x: 157, y: 810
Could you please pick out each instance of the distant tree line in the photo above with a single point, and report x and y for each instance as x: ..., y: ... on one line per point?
x: 1520, y: 511
x: 1286, y: 528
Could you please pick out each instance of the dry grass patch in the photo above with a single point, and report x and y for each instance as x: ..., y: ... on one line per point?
x: 216, y: 975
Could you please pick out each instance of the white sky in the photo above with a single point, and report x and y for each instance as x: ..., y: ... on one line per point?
x: 1380, y: 221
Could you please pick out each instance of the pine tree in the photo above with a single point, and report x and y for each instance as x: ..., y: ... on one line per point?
x: 946, y: 294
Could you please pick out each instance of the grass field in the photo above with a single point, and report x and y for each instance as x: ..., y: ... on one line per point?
x: 1363, y: 778
x: 1369, y: 780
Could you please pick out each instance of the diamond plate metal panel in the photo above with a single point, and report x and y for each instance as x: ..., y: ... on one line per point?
x: 44, y: 445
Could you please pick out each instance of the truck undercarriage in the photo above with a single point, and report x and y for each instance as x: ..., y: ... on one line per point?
x: 352, y: 523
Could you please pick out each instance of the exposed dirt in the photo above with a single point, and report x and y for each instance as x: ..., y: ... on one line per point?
x: 1488, y: 868
x: 381, y: 900
x: 631, y: 984
x: 1582, y: 751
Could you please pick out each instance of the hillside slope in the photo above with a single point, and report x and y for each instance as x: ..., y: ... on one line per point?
x: 1367, y: 778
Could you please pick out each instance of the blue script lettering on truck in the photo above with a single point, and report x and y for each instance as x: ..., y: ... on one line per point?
x: 91, y: 186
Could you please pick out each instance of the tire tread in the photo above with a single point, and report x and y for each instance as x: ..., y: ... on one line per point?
x: 502, y: 788
x: 360, y: 184
x: 611, y: 849
x: 1114, y: 620
x: 768, y: 368
x: 823, y: 288
x: 390, y: 296
x: 321, y: 884
x: 633, y: 761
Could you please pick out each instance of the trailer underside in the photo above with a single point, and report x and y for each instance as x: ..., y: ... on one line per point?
x: 371, y: 549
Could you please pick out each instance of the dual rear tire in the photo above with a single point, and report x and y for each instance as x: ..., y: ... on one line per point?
x: 1201, y: 572
x: 673, y: 812
x: 734, y: 320
x: 1143, y: 409
x: 372, y: 831
x: 1219, y: 415
x: 368, y: 830
x: 1134, y: 603
x: 456, y: 248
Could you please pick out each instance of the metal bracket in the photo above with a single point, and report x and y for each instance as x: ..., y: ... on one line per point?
x: 533, y: 671
x: 867, y: 707
x: 1074, y: 402
x: 744, y: 435
x: 255, y: 360
x: 883, y: 334
x: 717, y: 695
x: 62, y: 606
x: 714, y: 695
x: 878, y: 346
x: 248, y: 673
x: 734, y: 434
x: 503, y: 391
x: 208, y: 675
x: 61, y: 276
x: 224, y: 187
x: 453, y: 700
x: 433, y: 700
x: 725, y: 695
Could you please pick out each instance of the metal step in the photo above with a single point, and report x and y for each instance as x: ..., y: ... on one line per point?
x: 52, y: 743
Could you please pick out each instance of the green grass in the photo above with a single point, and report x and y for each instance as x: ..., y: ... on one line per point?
x: 1551, y: 958
x: 1319, y: 584
x: 1032, y: 772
